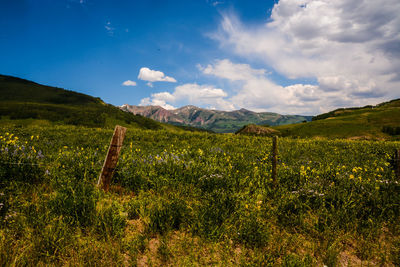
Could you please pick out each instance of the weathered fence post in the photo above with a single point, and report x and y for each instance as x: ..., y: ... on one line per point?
x: 274, y: 157
x: 112, y: 157
x: 397, y: 163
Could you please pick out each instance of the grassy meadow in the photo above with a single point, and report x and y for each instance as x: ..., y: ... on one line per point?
x: 380, y: 122
x: 191, y: 198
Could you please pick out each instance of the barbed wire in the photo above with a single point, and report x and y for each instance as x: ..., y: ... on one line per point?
x: 21, y: 163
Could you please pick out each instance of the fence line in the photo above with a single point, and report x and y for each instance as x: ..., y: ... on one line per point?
x: 22, y: 163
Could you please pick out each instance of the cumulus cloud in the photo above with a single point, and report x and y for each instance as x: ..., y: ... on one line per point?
x: 255, y: 91
x: 191, y: 93
x: 352, y: 48
x: 149, y: 75
x: 234, y: 72
x: 153, y: 101
x: 129, y: 83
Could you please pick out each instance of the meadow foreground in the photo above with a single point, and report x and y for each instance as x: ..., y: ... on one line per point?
x: 187, y: 199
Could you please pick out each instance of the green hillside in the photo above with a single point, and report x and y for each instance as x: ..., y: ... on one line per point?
x: 25, y: 102
x: 370, y: 122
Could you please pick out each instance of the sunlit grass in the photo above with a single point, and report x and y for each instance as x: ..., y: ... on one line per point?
x: 188, y: 199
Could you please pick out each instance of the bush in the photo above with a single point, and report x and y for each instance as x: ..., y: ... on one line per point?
x: 391, y: 130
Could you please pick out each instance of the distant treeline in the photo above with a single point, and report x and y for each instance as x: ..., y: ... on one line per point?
x: 391, y: 130
x: 90, y: 115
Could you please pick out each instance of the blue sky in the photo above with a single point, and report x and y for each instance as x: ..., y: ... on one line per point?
x: 286, y: 56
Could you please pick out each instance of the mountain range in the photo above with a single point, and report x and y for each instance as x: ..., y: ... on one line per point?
x: 24, y: 102
x: 214, y: 120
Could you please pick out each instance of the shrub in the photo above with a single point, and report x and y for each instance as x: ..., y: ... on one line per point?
x: 391, y: 130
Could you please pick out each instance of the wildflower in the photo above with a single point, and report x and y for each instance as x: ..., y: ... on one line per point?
x: 40, y: 155
x: 200, y: 152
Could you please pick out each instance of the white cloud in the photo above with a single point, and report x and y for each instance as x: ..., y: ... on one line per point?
x: 109, y: 28
x: 155, y: 102
x: 216, y: 3
x: 235, y: 72
x: 129, y: 83
x: 352, y: 48
x: 252, y: 90
x: 255, y: 91
x: 191, y: 93
x: 149, y: 75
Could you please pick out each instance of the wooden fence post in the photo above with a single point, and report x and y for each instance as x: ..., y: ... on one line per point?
x: 112, y: 157
x: 274, y: 157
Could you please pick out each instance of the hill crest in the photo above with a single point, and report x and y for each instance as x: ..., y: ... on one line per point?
x: 381, y: 121
x: 23, y: 100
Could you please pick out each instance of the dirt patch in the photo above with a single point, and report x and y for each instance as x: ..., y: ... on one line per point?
x: 362, y: 137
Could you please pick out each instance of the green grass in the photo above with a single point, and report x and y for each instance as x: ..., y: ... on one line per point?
x: 24, y: 102
x: 184, y: 198
x: 190, y: 198
x: 362, y: 123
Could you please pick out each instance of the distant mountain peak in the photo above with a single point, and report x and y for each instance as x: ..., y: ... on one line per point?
x: 215, y: 120
x: 188, y: 107
x: 246, y: 110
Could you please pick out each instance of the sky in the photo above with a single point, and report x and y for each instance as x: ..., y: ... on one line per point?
x: 287, y: 56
